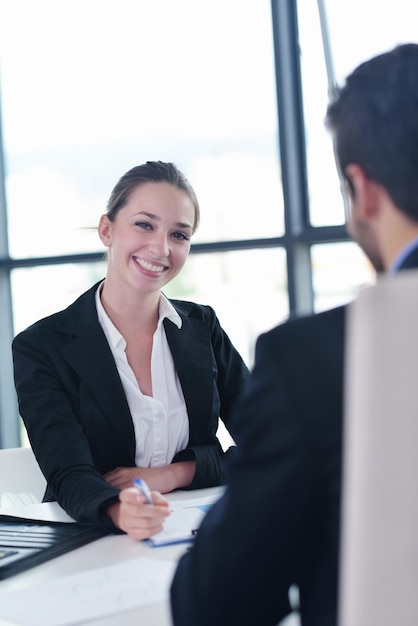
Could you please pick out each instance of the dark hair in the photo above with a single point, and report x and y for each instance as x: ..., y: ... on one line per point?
x: 374, y: 119
x: 150, y: 172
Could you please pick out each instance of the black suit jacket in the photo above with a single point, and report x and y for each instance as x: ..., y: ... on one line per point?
x: 76, y: 414
x: 278, y: 523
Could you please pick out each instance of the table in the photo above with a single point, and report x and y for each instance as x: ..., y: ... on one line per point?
x: 110, y: 550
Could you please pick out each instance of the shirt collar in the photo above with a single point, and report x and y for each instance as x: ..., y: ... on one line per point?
x: 402, y: 255
x: 113, y: 336
x: 167, y: 310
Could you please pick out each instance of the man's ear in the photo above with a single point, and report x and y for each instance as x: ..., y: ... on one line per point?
x: 364, y: 190
x: 104, y: 230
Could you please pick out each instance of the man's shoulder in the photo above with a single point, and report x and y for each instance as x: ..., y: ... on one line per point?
x: 307, y: 339
x: 329, y: 321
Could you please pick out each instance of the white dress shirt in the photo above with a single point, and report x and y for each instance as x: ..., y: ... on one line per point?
x: 160, y: 422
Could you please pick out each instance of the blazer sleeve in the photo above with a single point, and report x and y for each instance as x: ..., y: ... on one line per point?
x: 55, y: 431
x: 229, y: 377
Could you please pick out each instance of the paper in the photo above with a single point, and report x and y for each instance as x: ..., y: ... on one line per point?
x: 186, y: 516
x: 8, y: 498
x: 42, y: 512
x: 89, y: 595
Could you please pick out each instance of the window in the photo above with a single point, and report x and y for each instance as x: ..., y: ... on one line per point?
x: 90, y: 89
x: 353, y: 35
x: 108, y: 86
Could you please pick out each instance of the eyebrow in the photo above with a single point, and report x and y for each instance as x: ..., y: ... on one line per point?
x: 156, y: 217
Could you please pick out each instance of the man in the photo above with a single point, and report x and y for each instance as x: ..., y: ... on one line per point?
x: 278, y: 523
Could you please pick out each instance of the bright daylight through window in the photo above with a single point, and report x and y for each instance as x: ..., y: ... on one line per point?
x: 93, y: 87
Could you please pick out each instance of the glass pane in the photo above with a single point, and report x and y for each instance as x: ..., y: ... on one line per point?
x: 90, y: 89
x: 358, y: 29
x: 41, y: 291
x: 380, y: 28
x: 325, y: 200
x: 339, y: 270
x: 247, y: 289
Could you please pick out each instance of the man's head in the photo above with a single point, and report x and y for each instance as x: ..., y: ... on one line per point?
x: 374, y: 122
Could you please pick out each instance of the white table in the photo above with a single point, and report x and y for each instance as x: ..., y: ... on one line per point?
x: 109, y: 550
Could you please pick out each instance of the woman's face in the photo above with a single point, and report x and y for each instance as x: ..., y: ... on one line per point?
x: 149, y: 240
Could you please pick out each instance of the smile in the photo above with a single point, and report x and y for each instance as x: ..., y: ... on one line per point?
x: 149, y: 266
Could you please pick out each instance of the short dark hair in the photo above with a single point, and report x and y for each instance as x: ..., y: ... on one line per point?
x: 150, y: 172
x: 374, y: 120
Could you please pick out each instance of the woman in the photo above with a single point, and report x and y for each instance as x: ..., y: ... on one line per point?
x: 124, y: 383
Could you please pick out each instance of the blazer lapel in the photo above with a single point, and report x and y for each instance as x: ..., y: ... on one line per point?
x: 89, y: 355
x: 191, y: 350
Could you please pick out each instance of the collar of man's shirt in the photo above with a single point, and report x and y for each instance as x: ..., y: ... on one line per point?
x: 402, y: 255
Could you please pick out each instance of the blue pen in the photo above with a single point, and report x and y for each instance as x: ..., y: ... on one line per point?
x: 143, y: 488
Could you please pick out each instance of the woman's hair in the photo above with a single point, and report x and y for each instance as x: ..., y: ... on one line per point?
x: 150, y: 172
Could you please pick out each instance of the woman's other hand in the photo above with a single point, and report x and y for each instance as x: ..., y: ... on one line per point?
x: 163, y: 479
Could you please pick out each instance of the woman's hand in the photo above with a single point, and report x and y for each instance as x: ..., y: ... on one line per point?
x: 136, y: 518
x: 163, y: 479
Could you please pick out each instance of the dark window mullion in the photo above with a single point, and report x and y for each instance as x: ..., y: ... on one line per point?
x: 292, y: 154
x: 9, y: 416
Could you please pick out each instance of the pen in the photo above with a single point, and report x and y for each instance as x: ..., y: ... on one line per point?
x: 143, y: 488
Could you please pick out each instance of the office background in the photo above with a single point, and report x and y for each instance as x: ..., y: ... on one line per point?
x: 234, y: 92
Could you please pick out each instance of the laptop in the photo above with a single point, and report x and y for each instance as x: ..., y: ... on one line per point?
x: 26, y: 543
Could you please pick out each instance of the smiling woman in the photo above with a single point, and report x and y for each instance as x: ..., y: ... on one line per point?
x: 126, y: 383
x: 152, y: 214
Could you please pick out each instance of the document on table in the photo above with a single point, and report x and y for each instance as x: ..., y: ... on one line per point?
x: 186, y: 516
x: 89, y: 595
x: 39, y: 512
x: 184, y: 520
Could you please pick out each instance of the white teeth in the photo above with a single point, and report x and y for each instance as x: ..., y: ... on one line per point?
x: 149, y: 266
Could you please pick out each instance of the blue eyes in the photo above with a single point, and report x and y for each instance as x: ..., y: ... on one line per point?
x: 180, y: 236
x: 176, y: 234
x: 144, y: 225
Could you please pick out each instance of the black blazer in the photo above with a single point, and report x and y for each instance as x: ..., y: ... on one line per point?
x: 73, y: 405
x: 278, y: 523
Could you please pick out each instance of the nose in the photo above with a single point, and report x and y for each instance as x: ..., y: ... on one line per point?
x: 159, y: 244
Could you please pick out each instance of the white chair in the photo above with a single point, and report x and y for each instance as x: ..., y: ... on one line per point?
x: 21, y: 480
x: 379, y: 558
